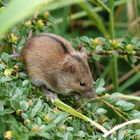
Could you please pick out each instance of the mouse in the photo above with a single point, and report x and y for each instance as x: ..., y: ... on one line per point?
x: 54, y: 65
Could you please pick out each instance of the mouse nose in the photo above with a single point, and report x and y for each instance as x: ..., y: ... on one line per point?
x: 89, y: 93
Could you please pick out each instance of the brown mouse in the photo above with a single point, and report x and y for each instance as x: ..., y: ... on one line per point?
x: 54, y: 64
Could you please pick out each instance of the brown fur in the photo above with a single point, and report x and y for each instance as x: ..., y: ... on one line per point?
x: 52, y: 61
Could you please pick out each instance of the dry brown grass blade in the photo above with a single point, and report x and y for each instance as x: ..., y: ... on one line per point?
x: 125, y: 77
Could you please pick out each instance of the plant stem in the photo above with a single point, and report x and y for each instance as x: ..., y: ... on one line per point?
x: 58, y: 5
x: 111, y: 18
x: 115, y: 109
x: 125, y: 76
x: 103, y: 5
x: 119, y: 52
x: 81, y: 13
x: 120, y: 126
x: 130, y: 97
x: 95, y: 17
x: 73, y: 112
x: 129, y: 82
x: 114, y: 67
x: 114, y: 64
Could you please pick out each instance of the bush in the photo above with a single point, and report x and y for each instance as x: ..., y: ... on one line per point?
x: 24, y: 111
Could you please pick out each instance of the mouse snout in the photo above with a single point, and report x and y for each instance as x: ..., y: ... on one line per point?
x: 89, y: 93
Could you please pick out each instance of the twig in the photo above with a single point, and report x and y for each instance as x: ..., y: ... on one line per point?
x: 137, y: 93
x: 120, y: 126
x: 135, y: 22
x: 119, y: 52
x: 1, y: 47
x: 125, y: 77
x: 116, y: 110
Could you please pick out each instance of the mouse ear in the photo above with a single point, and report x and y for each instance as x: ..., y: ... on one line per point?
x: 84, y: 52
x: 69, y: 67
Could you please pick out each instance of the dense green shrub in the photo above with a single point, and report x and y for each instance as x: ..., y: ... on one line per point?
x: 25, y: 113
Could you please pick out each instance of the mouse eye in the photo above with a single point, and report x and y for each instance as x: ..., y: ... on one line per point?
x: 82, y: 84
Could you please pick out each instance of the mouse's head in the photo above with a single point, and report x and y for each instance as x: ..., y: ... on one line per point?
x: 75, y: 75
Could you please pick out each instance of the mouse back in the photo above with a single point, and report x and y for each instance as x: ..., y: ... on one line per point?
x: 52, y: 61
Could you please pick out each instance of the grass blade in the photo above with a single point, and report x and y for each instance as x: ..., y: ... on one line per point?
x: 95, y: 17
x: 16, y: 10
x: 73, y: 112
x: 129, y: 82
x: 114, y: 62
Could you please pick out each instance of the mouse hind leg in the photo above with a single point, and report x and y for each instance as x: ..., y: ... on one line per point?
x: 48, y: 93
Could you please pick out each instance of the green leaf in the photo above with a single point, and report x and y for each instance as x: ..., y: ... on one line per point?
x: 107, y: 125
x: 37, y: 108
x: 14, y: 104
x: 25, y: 82
x: 38, y: 120
x: 8, y: 111
x: 137, y: 45
x: 2, y: 66
x: 135, y: 114
x: 5, y: 57
x: 120, y: 135
x: 121, y: 103
x: 81, y: 134
x: 76, y: 125
x: 116, y: 94
x: 24, y: 105
x: 115, y: 97
x: 99, y: 83
x: 16, y: 93
x: 1, y: 109
x: 23, y: 75
x: 60, y: 118
x: 86, y: 40
x: 23, y: 137
x: 70, y: 129
x: 107, y: 45
x: 99, y: 48
x: 24, y: 116
x: 126, y: 106
x: 68, y: 136
x: 49, y: 127
x: 100, y: 90
x: 127, y: 138
x: 96, y: 57
x: 138, y: 132
x: 45, y: 135
x: 2, y: 128
x: 4, y: 79
x: 99, y: 86
x: 101, y: 111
